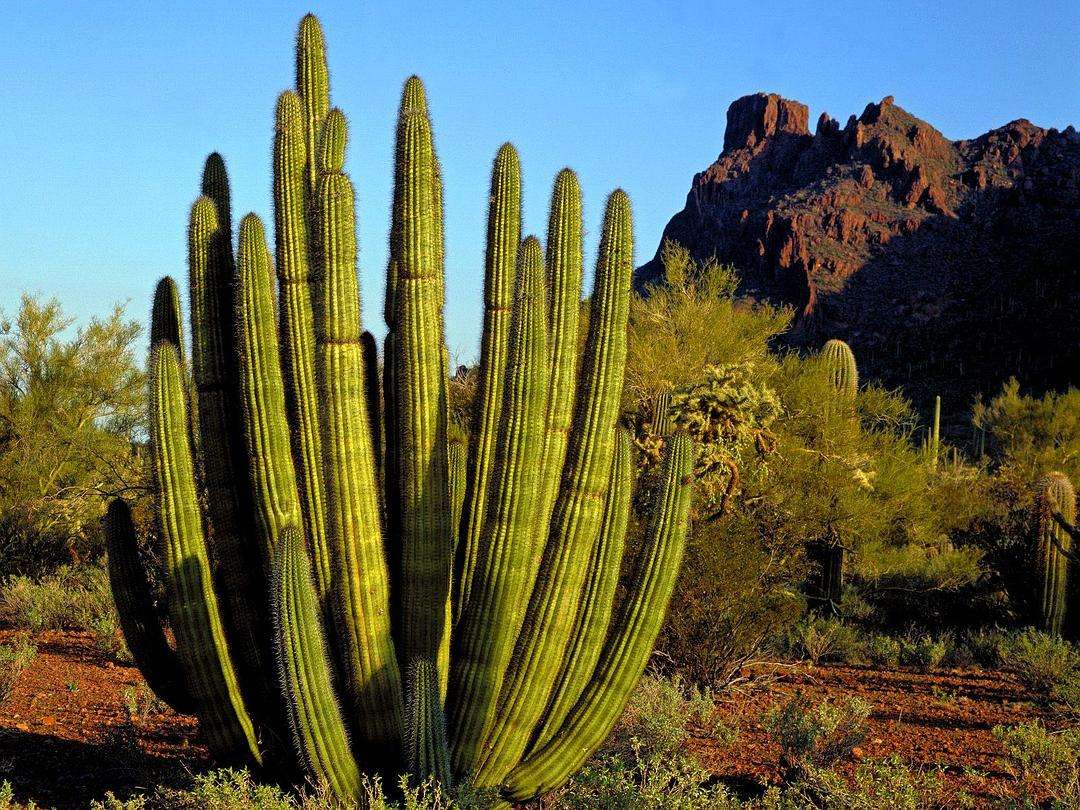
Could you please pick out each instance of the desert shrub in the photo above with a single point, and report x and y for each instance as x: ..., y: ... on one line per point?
x: 820, y: 639
x: 15, y: 658
x: 228, y: 789
x: 642, y: 764
x: 924, y: 652
x: 72, y: 598
x: 72, y: 403
x: 883, y: 651
x: 1045, y: 763
x: 875, y: 784
x: 816, y: 736
x: 1045, y: 664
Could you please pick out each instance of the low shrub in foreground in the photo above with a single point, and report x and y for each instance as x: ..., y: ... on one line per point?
x: 1045, y: 763
x: 15, y: 657
x: 923, y: 652
x: 817, y: 736
x: 876, y: 784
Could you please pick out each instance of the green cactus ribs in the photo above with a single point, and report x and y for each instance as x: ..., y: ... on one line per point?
x: 442, y: 595
x: 1055, y: 521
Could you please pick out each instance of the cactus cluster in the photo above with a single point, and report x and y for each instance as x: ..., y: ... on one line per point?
x: 442, y: 607
x: 1055, y: 520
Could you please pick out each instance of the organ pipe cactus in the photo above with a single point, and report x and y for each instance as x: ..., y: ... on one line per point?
x: 431, y: 604
x: 1055, y: 516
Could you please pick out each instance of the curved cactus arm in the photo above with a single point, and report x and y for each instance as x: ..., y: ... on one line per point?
x: 266, y: 429
x: 218, y: 430
x: 598, y: 599
x: 193, y: 606
x: 427, y: 754
x: 420, y: 399
x: 360, y: 593
x: 503, y: 240
x: 313, y: 87
x: 304, y: 670
x: 145, y: 636
x: 575, y: 522
x: 628, y: 645
x: 295, y: 270
x: 486, y: 632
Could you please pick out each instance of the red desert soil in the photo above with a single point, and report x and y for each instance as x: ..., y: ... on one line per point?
x: 66, y: 736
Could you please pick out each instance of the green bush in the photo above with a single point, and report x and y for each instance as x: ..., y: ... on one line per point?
x: 923, y: 652
x: 875, y: 784
x: 1045, y: 664
x: 816, y: 736
x: 15, y: 658
x: 817, y: 640
x: 883, y: 651
x: 72, y: 598
x: 1044, y: 762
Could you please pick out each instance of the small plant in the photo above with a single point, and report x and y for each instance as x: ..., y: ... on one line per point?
x: 72, y: 598
x: 72, y: 687
x: 1045, y: 763
x: 817, y: 736
x: 15, y: 658
x: 139, y: 701
x: 1045, y: 664
x: 818, y: 640
x: 876, y: 783
x: 883, y: 651
x: 923, y: 652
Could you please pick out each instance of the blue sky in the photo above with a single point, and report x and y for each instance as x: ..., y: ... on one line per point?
x: 108, y: 109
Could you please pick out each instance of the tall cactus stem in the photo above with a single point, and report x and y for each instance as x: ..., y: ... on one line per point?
x: 1055, y: 505
x: 427, y: 753
x: 313, y: 87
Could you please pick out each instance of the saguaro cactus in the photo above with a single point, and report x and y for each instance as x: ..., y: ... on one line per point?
x: 840, y: 365
x: 1055, y: 516
x: 484, y: 570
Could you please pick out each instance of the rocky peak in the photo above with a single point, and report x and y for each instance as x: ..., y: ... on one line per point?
x: 751, y: 119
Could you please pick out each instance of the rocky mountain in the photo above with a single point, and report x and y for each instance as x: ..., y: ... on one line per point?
x: 947, y: 265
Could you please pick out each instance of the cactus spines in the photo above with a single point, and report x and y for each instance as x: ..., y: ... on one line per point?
x: 313, y: 87
x: 143, y: 632
x: 597, y: 600
x: 273, y: 475
x: 489, y: 555
x: 503, y: 239
x: 304, y: 670
x: 420, y: 400
x: 629, y: 642
x: 576, y: 518
x: 506, y: 563
x: 166, y: 323
x: 840, y: 366
x: 427, y: 753
x: 295, y: 269
x: 361, y: 590
x: 661, y: 424
x: 1055, y: 504
x: 193, y: 604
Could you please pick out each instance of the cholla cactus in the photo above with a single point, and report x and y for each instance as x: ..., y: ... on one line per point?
x: 1055, y: 518
x: 376, y: 541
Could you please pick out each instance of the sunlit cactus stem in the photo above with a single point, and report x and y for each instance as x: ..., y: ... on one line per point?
x: 1055, y: 516
x: 841, y: 367
x: 427, y: 753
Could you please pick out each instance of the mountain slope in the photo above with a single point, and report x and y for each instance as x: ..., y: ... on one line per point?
x: 948, y: 265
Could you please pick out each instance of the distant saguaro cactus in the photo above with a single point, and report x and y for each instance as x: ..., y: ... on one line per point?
x: 485, y: 571
x: 1055, y: 516
x: 841, y: 367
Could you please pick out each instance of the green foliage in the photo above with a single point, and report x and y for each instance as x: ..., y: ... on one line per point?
x: 1045, y: 664
x: 15, y: 658
x: 817, y: 736
x: 1032, y: 435
x: 874, y: 784
x: 71, y: 403
x: 818, y: 639
x: 883, y: 651
x: 923, y: 652
x: 1045, y: 763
